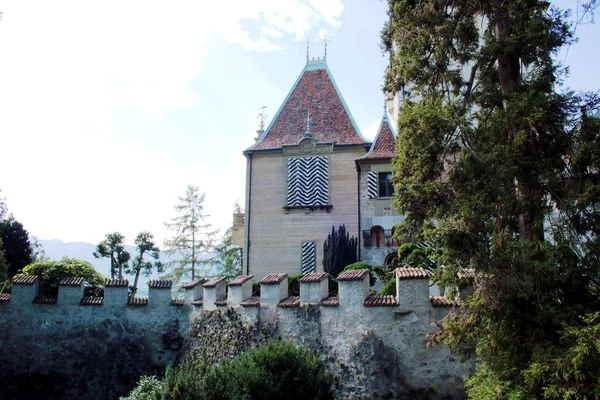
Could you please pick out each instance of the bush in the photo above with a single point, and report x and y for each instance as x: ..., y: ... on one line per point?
x: 294, y: 285
x: 148, y: 388
x: 255, y: 289
x: 276, y: 370
x: 389, y: 288
x: 363, y: 265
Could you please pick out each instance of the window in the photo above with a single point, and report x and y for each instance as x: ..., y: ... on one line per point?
x: 386, y: 189
x: 377, y: 236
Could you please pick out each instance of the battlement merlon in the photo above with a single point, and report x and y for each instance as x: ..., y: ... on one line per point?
x: 215, y: 290
x: 412, y: 288
x: 273, y: 288
x: 239, y: 290
x: 25, y: 289
x: 159, y: 293
x: 354, y: 288
x: 314, y: 287
x: 116, y: 292
x: 193, y: 291
x: 70, y: 291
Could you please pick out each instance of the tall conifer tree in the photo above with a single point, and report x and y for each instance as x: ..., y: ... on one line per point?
x: 501, y: 171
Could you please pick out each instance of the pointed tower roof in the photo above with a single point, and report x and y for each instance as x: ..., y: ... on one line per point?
x: 384, y: 145
x: 316, y: 94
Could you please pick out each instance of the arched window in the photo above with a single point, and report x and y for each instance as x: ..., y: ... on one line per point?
x: 377, y: 236
x: 391, y: 261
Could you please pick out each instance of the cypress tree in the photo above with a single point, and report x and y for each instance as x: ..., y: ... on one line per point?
x: 339, y: 250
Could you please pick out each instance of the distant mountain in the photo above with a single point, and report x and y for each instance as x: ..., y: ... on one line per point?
x: 56, y: 249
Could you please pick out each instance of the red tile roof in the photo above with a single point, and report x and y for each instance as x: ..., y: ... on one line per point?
x: 25, y: 280
x: 138, y: 301
x: 92, y: 301
x: 273, y: 278
x: 289, y: 302
x: 44, y: 299
x: 4, y: 297
x: 384, y: 146
x: 313, y: 277
x: 440, y: 301
x: 412, y: 273
x: 177, y: 302
x: 240, y: 280
x: 160, y: 284
x: 467, y: 273
x: 251, y: 302
x: 221, y: 303
x: 197, y: 303
x: 330, y: 302
x: 194, y: 283
x: 72, y: 281
x: 380, y: 301
x: 214, y: 282
x: 353, y: 275
x: 116, y: 283
x: 330, y: 121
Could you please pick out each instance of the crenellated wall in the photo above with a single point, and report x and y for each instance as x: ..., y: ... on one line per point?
x: 376, y: 345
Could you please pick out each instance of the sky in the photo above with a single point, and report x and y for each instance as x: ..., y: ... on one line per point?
x: 108, y: 110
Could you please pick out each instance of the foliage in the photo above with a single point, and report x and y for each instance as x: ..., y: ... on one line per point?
x: 411, y: 255
x: 148, y: 388
x: 227, y: 258
x: 294, y: 285
x: 51, y: 273
x: 384, y: 274
x: 16, y: 245
x: 146, y: 247
x: 389, y: 288
x: 4, y: 280
x: 255, y: 289
x: 38, y: 253
x: 192, y: 235
x: 363, y: 265
x: 273, y: 371
x: 501, y: 172
x: 3, y: 208
x: 340, y: 249
x: 113, y: 247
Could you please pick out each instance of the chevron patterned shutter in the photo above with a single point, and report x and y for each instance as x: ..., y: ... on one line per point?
x: 372, y: 184
x: 308, y: 181
x: 308, y: 257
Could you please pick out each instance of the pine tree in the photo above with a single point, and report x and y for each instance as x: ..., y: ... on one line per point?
x: 501, y: 172
x: 113, y: 247
x: 193, y: 236
x: 146, y: 247
x: 339, y: 250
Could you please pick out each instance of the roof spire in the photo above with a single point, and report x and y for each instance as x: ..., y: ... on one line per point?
x: 307, y: 134
x: 307, y: 48
x: 384, y: 109
x: 262, y: 116
x: 325, y: 41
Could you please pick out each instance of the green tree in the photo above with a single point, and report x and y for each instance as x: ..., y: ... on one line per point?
x: 227, y: 258
x: 16, y: 245
x: 146, y: 248
x: 113, y: 247
x: 3, y: 208
x: 51, y: 273
x: 4, y: 281
x: 501, y: 172
x: 192, y: 235
x: 339, y: 250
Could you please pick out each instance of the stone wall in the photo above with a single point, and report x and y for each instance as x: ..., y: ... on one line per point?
x: 375, y: 345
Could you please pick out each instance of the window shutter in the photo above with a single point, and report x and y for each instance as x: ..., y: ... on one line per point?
x: 372, y: 184
x: 367, y: 239
x: 308, y: 181
x: 308, y: 257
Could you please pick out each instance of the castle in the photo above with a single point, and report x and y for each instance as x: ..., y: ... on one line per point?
x: 311, y: 169
x: 97, y: 347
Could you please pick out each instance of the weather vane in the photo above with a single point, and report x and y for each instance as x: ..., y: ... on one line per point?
x: 262, y: 116
x: 325, y: 41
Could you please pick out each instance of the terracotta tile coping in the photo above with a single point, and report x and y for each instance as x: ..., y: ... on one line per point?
x: 92, y: 301
x: 353, y: 275
x: 194, y: 283
x: 5, y: 297
x: 42, y: 299
x: 289, y: 302
x: 116, y: 283
x: 72, y: 281
x: 197, y: 303
x: 440, y: 301
x: 176, y: 302
x: 381, y: 301
x: 25, y: 280
x: 251, y: 302
x: 138, y: 301
x: 313, y: 277
x: 273, y: 278
x: 411, y: 273
x: 330, y: 302
x: 160, y: 284
x: 214, y: 282
x: 240, y: 280
x: 220, y: 303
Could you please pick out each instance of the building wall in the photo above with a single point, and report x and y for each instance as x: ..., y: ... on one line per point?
x: 378, y: 211
x: 276, y: 235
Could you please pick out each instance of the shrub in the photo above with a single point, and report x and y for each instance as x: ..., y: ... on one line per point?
x: 148, y: 388
x: 294, y: 285
x: 363, y: 265
x: 389, y: 288
x: 256, y: 289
